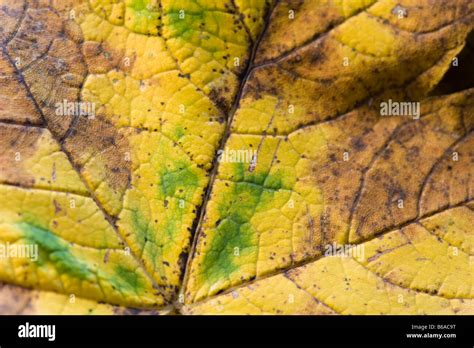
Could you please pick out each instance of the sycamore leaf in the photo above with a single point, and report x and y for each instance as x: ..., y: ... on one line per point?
x: 112, y: 112
x: 136, y: 132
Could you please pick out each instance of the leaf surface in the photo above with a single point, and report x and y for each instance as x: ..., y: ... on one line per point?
x: 129, y: 202
x: 110, y: 198
x: 329, y: 168
x: 422, y: 268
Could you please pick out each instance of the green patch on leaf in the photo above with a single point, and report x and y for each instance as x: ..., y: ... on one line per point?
x: 235, y: 236
x: 179, y: 183
x: 53, y: 250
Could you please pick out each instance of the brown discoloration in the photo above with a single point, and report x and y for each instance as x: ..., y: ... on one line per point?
x: 15, y: 300
x: 15, y: 103
x: 101, y: 58
x: 45, y: 65
x: 34, y: 35
x: 17, y: 142
x: 11, y: 13
x: 51, y: 71
x: 221, y: 98
x: 134, y: 311
x: 106, y: 256
x: 57, y: 207
x: 96, y: 138
x: 56, y: 77
x: 284, y: 35
x: 450, y: 181
x: 391, y: 187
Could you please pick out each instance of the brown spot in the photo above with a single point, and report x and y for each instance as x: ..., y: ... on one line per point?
x: 18, y: 143
x: 98, y: 139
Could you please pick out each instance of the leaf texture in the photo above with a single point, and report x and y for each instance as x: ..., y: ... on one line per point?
x: 133, y: 210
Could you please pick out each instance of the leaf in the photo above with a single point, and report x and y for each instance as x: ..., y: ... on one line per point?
x: 15, y: 301
x: 314, y: 198
x: 304, y: 112
x: 110, y: 197
x: 117, y: 194
x: 422, y: 268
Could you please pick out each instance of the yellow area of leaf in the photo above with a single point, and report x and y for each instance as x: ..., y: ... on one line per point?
x: 407, y: 271
x: 165, y: 84
x: 32, y: 158
x: 253, y: 13
x: 61, y: 242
